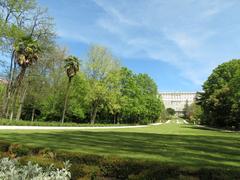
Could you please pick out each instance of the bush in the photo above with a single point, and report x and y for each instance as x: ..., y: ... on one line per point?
x: 4, y: 146
x: 11, y: 169
x: 19, y: 150
x: 7, y: 122
x: 171, y: 111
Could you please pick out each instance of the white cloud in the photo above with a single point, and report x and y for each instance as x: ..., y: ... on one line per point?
x: 181, y: 33
x: 73, y: 36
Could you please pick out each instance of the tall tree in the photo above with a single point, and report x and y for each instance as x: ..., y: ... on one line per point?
x: 100, y: 65
x: 71, y: 67
x: 26, y: 53
x: 19, y: 18
x: 220, y: 99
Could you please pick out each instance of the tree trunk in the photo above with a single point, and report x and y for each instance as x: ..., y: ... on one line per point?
x: 21, y: 104
x: 15, y: 91
x: 93, y: 114
x: 9, y: 86
x: 33, y: 114
x: 119, y: 117
x: 66, y: 99
x: 114, y: 119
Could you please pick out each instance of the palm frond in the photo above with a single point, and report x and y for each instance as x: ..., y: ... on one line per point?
x: 72, y: 64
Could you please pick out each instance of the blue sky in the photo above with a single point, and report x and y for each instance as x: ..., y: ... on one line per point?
x: 176, y: 42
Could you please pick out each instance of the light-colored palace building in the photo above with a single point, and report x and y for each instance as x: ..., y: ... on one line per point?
x: 177, y: 100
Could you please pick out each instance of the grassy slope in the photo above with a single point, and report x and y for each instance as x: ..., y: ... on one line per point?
x: 171, y: 143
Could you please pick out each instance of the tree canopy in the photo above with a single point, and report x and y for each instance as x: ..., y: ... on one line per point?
x: 220, y: 100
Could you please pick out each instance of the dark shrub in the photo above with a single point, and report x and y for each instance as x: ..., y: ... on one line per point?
x: 4, y: 146
x: 19, y: 150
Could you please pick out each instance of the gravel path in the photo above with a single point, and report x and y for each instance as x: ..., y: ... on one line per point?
x: 80, y: 128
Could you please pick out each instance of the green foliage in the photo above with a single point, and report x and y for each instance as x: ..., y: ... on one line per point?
x: 139, y: 101
x: 18, y: 150
x: 171, y: 111
x: 195, y: 113
x: 101, y: 66
x: 71, y: 66
x: 11, y: 169
x: 192, y: 113
x: 4, y: 147
x: 220, y: 99
x: 19, y: 18
x: 78, y: 102
x: 26, y: 51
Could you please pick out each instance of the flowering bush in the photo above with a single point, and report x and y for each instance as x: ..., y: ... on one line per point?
x: 13, y: 170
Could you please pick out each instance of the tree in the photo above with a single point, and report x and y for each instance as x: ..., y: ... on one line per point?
x: 171, y: 111
x: 139, y: 100
x: 195, y: 113
x: 220, y: 99
x: 2, y: 90
x: 100, y: 65
x: 11, y: 28
x: 71, y: 67
x: 192, y: 112
x: 20, y: 18
x: 78, y: 104
x: 186, y: 110
x: 26, y: 53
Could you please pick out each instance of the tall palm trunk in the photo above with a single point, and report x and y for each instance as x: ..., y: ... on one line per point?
x: 66, y: 99
x: 21, y: 104
x: 15, y: 90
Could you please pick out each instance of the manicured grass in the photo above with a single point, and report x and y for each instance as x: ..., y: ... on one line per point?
x: 183, y: 145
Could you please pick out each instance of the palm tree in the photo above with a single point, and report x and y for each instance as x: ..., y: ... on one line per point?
x: 26, y: 52
x: 71, y: 68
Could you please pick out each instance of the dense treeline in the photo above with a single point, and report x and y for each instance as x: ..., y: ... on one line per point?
x: 220, y: 100
x: 45, y: 83
x: 106, y: 94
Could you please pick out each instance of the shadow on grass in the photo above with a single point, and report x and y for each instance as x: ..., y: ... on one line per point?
x: 214, y: 129
x: 186, y: 150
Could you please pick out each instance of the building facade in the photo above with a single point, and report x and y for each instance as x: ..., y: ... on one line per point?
x: 177, y: 100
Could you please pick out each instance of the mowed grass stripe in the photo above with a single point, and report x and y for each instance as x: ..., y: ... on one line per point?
x: 171, y: 143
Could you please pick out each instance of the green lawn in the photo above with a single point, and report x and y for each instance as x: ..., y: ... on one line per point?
x: 184, y: 145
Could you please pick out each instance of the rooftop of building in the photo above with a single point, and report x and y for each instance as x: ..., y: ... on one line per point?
x: 177, y: 92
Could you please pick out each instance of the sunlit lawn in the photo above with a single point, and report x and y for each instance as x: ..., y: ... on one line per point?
x: 171, y: 143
